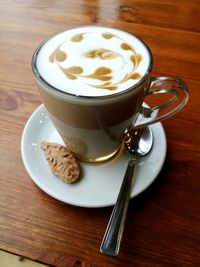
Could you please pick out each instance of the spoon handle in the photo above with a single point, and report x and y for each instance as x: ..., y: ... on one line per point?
x: 113, y: 235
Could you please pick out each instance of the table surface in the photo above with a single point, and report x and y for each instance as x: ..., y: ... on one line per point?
x: 163, y: 223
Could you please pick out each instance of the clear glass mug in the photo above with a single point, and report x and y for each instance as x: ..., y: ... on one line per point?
x: 92, y: 127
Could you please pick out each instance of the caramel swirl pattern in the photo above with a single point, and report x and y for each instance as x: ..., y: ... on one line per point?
x: 102, y: 54
x: 103, y: 74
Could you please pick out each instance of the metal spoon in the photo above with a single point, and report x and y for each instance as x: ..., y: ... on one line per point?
x: 138, y: 143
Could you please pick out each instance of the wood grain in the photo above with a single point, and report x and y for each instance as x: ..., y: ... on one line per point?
x: 163, y: 226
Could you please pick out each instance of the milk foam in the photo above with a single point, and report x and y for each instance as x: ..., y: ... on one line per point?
x: 93, y: 61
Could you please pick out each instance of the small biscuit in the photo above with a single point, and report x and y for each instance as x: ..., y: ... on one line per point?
x: 61, y: 161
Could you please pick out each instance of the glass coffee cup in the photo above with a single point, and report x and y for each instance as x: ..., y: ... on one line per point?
x: 94, y: 82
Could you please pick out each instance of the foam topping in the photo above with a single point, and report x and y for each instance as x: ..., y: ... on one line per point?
x: 93, y: 61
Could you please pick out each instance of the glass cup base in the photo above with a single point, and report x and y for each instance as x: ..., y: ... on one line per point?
x: 101, y: 159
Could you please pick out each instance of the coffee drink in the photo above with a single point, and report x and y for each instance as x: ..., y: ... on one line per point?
x: 93, y: 61
x: 93, y: 81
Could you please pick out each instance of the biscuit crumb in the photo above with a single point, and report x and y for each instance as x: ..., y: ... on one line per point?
x: 61, y: 161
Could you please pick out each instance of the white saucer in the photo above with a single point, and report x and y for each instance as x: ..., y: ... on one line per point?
x: 100, y: 184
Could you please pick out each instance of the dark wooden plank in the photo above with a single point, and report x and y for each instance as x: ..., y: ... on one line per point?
x: 163, y: 225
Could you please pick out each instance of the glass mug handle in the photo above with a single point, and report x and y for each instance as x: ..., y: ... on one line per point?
x: 172, y: 86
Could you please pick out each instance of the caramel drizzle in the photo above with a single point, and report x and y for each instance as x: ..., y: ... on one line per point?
x: 58, y: 55
x: 77, y: 37
x: 101, y: 73
x: 135, y: 59
x: 72, y: 72
x: 102, y: 53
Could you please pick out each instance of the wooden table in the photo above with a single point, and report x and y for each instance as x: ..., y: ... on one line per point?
x: 163, y: 224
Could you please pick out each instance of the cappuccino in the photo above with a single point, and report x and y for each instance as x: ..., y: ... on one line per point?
x: 93, y: 61
x: 92, y: 81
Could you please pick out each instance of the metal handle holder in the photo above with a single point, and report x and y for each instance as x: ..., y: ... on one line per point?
x: 171, y: 86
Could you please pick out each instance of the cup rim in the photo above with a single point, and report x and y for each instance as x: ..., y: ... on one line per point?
x: 39, y: 77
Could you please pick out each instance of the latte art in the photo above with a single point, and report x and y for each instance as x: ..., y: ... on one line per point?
x: 93, y: 61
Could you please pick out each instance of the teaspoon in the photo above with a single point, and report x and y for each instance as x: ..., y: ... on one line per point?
x: 138, y: 143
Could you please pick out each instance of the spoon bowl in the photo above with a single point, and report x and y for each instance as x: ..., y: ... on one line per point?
x: 138, y: 142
